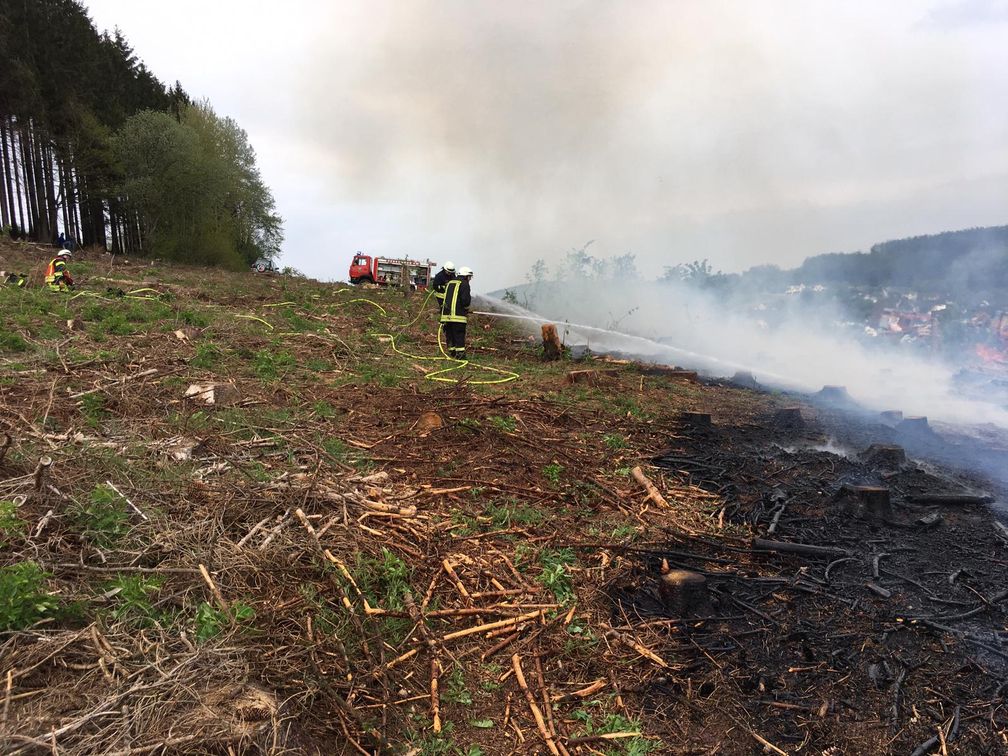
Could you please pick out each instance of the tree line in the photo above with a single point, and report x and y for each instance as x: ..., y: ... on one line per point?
x: 94, y: 147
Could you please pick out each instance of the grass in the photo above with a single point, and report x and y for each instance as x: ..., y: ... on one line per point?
x: 24, y: 599
x: 614, y: 441
x: 506, y: 513
x: 131, y: 599
x: 271, y: 365
x: 10, y: 341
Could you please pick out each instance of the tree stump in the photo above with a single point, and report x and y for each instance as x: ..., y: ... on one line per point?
x: 914, y: 425
x: 789, y: 418
x: 552, y: 350
x: 886, y: 456
x: 834, y: 394
x: 873, y: 501
x: 744, y: 379
x: 695, y: 419
x: 683, y: 592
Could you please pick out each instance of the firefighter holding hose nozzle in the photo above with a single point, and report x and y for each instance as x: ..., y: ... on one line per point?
x: 454, y: 311
x: 440, y: 281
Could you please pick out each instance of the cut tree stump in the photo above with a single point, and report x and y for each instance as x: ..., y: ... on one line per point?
x: 789, y: 418
x: 891, y: 416
x: 915, y: 425
x: 875, y: 503
x: 552, y: 350
x: 214, y: 394
x: 744, y: 379
x: 834, y: 394
x: 683, y: 592
x: 695, y: 419
x: 888, y: 456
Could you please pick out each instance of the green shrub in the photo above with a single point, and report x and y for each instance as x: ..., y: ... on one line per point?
x: 23, y: 597
x: 211, y: 621
x: 104, y: 519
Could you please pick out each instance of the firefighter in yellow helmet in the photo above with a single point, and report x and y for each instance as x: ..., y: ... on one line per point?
x: 453, y: 313
x: 58, y: 276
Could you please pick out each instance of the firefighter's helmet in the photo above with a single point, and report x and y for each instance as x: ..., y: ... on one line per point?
x: 465, y: 272
x: 65, y: 253
x: 449, y: 266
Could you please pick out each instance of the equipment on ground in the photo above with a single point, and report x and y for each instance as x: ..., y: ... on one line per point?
x: 265, y: 265
x: 391, y: 271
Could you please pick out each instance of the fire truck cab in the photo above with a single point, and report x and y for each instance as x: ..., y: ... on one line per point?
x: 390, y: 271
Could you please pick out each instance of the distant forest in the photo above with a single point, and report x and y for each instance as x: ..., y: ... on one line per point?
x: 93, y: 146
x: 976, y: 258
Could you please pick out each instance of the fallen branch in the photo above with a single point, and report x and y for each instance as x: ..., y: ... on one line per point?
x: 536, y: 713
x: 652, y: 492
x: 805, y: 549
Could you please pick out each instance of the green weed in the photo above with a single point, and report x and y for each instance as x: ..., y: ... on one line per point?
x: 92, y: 407
x: 103, y: 519
x: 10, y: 524
x: 271, y: 365
x: 638, y: 746
x: 455, y: 688
x: 131, y: 598
x: 555, y: 576
x: 503, y: 424
x: 614, y: 441
x: 323, y: 410
x: 12, y: 342
x: 552, y: 472
x: 207, y: 356
x: 626, y: 530
x: 211, y: 621
x: 24, y: 599
x: 506, y: 513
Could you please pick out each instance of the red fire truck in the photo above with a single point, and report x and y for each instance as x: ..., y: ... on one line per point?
x: 391, y: 271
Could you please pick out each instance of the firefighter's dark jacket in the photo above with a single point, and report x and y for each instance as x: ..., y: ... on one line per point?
x: 441, y: 279
x: 456, y: 302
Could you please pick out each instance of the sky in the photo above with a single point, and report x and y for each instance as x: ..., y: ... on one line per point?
x: 493, y: 134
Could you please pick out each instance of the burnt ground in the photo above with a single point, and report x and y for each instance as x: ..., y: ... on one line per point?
x: 892, y: 643
x: 344, y: 555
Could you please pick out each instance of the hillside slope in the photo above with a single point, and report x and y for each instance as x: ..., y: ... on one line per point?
x: 340, y: 555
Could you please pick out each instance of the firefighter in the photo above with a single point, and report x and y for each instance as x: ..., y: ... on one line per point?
x: 58, y: 277
x: 18, y: 280
x: 453, y: 313
x: 441, y: 279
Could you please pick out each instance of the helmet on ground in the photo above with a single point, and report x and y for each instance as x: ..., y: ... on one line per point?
x: 464, y: 271
x: 449, y: 266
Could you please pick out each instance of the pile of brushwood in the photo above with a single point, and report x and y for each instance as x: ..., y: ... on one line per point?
x: 236, y: 516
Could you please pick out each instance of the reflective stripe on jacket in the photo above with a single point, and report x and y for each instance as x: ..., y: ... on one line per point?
x: 56, y: 270
x: 456, y: 302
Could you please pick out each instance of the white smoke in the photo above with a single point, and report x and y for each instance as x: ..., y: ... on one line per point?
x: 678, y: 324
